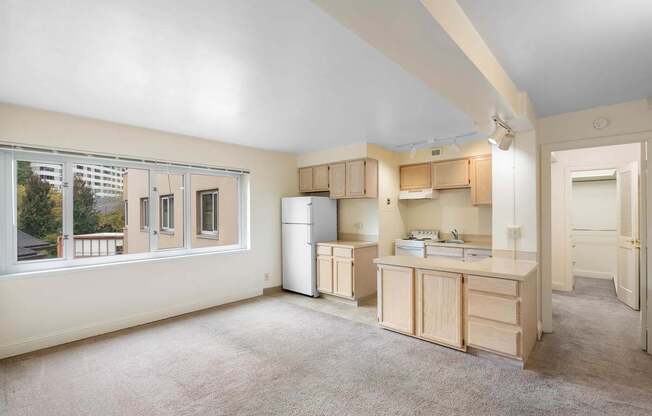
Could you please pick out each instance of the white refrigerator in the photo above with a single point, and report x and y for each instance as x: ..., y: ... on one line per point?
x: 306, y: 220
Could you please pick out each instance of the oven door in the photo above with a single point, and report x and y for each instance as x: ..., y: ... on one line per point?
x: 410, y: 251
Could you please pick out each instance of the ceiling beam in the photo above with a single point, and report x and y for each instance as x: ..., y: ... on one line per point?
x: 436, y: 42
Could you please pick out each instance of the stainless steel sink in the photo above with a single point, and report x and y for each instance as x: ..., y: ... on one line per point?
x: 454, y: 241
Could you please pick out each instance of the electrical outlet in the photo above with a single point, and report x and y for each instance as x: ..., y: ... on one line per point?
x: 514, y: 232
x: 267, y: 277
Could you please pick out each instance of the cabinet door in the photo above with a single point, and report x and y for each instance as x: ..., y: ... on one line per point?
x: 325, y: 274
x: 305, y: 180
x: 439, y: 307
x: 343, y: 276
x: 337, y: 179
x: 481, y: 181
x: 320, y: 178
x: 415, y: 176
x: 396, y: 298
x: 355, y: 178
x: 452, y: 174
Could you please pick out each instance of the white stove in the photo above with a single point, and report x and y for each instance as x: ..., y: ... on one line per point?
x: 415, y: 244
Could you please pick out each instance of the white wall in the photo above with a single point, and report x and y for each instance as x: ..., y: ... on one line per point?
x: 566, y: 162
x: 594, y: 211
x: 43, y: 309
x: 515, y: 196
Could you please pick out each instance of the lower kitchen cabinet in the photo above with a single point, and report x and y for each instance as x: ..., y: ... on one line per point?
x: 459, y: 310
x: 346, y: 269
x: 439, y: 307
x: 396, y: 298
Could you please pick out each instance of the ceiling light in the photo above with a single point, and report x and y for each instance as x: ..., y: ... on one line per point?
x: 502, y: 135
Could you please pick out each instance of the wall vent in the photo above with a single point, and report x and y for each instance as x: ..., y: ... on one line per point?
x: 436, y: 151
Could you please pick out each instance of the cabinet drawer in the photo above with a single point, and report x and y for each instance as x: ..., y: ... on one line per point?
x: 493, y: 285
x: 342, y: 252
x: 493, y: 307
x: 324, y: 250
x: 496, y: 338
x: 444, y: 251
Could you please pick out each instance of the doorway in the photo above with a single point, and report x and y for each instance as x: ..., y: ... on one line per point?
x: 595, y: 234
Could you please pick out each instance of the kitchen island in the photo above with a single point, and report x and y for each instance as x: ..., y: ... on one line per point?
x: 486, y: 305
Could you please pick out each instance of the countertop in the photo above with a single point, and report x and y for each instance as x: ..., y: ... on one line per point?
x: 348, y: 244
x: 493, y: 267
x: 469, y: 244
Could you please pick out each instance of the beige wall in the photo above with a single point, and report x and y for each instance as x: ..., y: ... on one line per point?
x: 228, y: 232
x: 170, y: 184
x: 136, y: 239
x: 43, y: 309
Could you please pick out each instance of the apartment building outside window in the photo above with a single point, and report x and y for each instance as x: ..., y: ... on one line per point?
x: 208, y: 212
x: 167, y: 213
x: 144, y: 213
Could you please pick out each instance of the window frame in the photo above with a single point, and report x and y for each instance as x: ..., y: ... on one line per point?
x: 9, y: 154
x: 215, y: 200
x: 162, y: 201
x: 143, y: 213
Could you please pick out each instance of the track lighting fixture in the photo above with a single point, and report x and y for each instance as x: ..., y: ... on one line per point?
x: 502, y: 135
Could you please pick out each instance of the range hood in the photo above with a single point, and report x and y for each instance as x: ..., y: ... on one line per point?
x: 419, y: 194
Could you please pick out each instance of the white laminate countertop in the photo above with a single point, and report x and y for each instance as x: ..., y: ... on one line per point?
x: 348, y: 244
x: 493, y: 267
x: 469, y: 244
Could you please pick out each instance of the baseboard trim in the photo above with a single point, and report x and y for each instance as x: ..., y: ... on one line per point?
x: 593, y: 274
x: 81, y: 332
x: 561, y: 287
x: 272, y: 290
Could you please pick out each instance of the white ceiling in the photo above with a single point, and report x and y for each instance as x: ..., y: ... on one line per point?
x: 279, y: 75
x: 570, y: 55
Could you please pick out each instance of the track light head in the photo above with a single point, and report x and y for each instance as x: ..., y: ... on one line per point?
x: 502, y: 135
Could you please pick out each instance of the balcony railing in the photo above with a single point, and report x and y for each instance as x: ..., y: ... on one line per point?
x: 95, y: 245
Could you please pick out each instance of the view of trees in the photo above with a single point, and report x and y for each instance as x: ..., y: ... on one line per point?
x: 40, y: 208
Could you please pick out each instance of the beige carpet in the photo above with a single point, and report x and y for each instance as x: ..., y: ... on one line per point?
x: 274, y: 357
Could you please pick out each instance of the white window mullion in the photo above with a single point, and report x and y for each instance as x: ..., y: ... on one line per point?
x: 187, y: 214
x: 68, y: 207
x: 153, y: 206
x: 6, y: 211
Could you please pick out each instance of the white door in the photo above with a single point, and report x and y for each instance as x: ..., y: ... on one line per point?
x: 627, y: 274
x: 296, y: 210
x: 298, y: 259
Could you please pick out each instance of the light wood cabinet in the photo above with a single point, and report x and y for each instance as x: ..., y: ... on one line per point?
x: 343, y: 276
x: 362, y: 178
x: 313, y: 179
x: 396, y: 298
x: 347, y: 179
x: 346, y: 270
x: 415, y: 176
x: 337, y: 173
x: 480, y: 178
x: 325, y: 274
x: 460, y: 311
x: 320, y: 178
x: 450, y: 174
x: 305, y: 179
x: 439, y: 307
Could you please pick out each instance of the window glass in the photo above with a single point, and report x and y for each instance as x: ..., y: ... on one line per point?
x: 215, y: 210
x: 170, y: 188
x: 135, y: 192
x: 39, y: 199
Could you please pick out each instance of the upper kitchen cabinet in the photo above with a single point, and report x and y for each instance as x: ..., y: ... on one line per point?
x: 451, y: 174
x: 313, y: 179
x: 354, y: 179
x: 337, y: 174
x: 416, y: 177
x: 480, y: 172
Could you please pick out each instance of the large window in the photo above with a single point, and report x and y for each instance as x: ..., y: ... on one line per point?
x: 72, y: 210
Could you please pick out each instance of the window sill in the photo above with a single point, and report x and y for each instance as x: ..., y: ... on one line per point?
x: 208, y: 237
x: 166, y: 232
x: 151, y: 257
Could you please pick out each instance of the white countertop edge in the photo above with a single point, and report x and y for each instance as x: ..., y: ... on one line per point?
x: 500, y: 268
x: 348, y: 244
